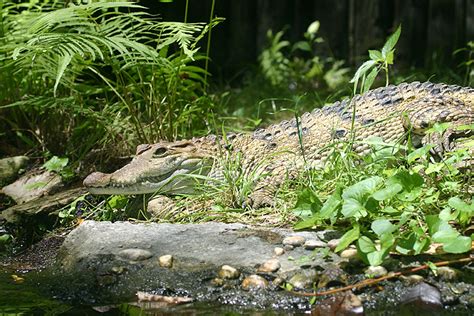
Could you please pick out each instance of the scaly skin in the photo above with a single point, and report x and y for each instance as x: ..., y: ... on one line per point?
x: 274, y: 154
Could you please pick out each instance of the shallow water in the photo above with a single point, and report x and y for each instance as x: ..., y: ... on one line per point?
x: 26, y: 298
x: 23, y: 296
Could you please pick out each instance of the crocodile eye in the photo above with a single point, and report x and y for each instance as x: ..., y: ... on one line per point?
x: 159, y: 152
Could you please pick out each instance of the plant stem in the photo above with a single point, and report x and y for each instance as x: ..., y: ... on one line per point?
x: 186, y: 12
x: 208, y: 48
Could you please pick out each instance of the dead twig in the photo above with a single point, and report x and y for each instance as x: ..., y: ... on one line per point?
x: 368, y: 282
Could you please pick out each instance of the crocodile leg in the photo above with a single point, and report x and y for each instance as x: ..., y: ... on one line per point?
x: 440, y: 110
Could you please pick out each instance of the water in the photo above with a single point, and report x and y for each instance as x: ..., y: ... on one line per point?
x: 23, y: 297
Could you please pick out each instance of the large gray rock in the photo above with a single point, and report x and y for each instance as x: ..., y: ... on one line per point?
x: 92, y: 258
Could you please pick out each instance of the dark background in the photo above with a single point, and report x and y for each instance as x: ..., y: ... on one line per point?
x: 431, y: 29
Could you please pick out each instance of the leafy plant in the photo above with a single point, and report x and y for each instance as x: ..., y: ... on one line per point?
x: 83, y: 77
x: 379, y: 60
x: 393, y: 208
x: 468, y: 62
x: 297, y: 65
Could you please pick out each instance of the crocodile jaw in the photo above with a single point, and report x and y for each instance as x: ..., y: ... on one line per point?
x: 171, y: 172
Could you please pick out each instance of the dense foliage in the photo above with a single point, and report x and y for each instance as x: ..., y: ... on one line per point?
x: 88, y: 78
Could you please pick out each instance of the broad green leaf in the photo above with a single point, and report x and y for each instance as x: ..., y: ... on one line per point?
x: 330, y: 207
x: 352, y: 207
x: 55, y: 164
x: 388, y: 192
x: 445, y: 235
x: 446, y: 215
x: 302, y: 45
x: 389, y: 210
x: 313, y: 28
x: 434, y: 167
x: 375, y: 55
x: 361, y: 72
x: 460, y: 205
x: 391, y: 42
x: 307, y: 204
x: 375, y: 258
x: 4, y: 238
x: 408, y: 180
x: 409, y: 196
x: 366, y: 245
x: 390, y: 56
x: 458, y: 245
x: 361, y: 189
x: 307, y: 223
x: 382, y: 226
x: 369, y: 80
x: 387, y: 240
x: 421, y: 152
x: 412, y: 244
x: 349, y: 237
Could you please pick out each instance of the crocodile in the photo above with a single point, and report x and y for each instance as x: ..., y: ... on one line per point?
x: 395, y: 114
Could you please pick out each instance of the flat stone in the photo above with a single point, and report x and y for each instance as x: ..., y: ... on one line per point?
x: 200, y: 251
x: 294, y: 241
x: 254, y: 282
x: 312, y: 244
x: 135, y: 254
x: 166, y: 261
x: 228, y: 272
x: 32, y: 186
x: 269, y: 266
x: 376, y: 271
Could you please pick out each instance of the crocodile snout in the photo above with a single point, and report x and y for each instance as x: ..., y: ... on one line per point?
x: 96, y: 179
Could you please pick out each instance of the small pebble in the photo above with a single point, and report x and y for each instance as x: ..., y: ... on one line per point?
x: 376, y: 272
x: 333, y: 243
x: 118, y: 270
x: 135, y: 254
x: 303, y: 279
x: 278, y: 281
x: 294, y: 241
x: 288, y: 248
x: 166, y: 261
x: 411, y: 279
x: 349, y: 253
x: 228, y: 272
x: 217, y: 282
x: 254, y: 282
x: 447, y: 273
x: 312, y: 244
x: 278, y: 251
x: 269, y: 266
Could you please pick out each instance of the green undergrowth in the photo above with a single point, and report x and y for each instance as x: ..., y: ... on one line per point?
x: 397, y: 199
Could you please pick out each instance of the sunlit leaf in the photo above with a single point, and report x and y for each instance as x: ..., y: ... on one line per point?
x: 349, y: 237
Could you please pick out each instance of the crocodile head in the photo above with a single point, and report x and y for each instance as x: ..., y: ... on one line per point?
x: 161, y: 167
